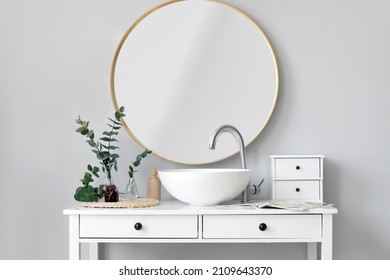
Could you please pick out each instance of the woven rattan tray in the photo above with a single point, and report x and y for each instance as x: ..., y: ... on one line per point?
x: 122, y: 203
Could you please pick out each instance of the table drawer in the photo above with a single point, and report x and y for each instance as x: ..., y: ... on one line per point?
x: 297, y: 168
x: 273, y: 226
x: 173, y: 226
x: 301, y: 190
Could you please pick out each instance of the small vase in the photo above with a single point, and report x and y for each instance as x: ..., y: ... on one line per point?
x: 111, y: 194
x: 132, y: 190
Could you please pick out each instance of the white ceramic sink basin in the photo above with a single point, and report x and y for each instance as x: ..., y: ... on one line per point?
x: 204, y: 186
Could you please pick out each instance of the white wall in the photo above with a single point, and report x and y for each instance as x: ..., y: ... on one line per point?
x: 55, y: 59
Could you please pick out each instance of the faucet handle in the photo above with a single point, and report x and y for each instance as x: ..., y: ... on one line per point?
x: 257, y: 188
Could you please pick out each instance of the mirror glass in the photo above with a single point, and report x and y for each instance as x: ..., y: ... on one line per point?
x: 187, y: 67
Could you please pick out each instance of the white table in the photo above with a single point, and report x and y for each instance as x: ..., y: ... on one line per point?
x: 175, y: 222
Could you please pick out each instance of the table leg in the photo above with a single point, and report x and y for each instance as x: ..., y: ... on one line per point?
x: 93, y: 251
x: 327, y: 242
x: 74, y: 244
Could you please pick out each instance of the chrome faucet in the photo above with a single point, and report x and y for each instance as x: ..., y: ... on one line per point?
x: 241, y: 147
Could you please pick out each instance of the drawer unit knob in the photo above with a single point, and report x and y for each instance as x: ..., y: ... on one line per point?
x: 297, y: 189
x: 138, y: 226
x: 262, y: 227
x: 297, y: 167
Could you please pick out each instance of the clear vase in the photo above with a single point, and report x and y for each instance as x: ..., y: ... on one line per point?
x: 132, y: 190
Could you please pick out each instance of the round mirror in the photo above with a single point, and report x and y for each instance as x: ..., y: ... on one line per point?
x: 187, y: 67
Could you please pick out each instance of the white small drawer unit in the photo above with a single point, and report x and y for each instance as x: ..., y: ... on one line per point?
x: 298, y: 177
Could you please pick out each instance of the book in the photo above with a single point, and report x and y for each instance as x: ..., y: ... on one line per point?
x: 296, y: 205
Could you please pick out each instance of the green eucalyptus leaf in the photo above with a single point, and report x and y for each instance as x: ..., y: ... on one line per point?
x: 80, y: 129
x: 86, y: 180
x: 114, y: 121
x: 113, y: 156
x: 91, y: 143
x: 114, y: 127
x: 89, y: 189
x: 108, y: 139
x: 117, y: 115
x: 84, y: 194
x: 146, y: 152
x: 91, y: 134
x: 77, y: 195
x: 95, y: 197
x: 136, y: 163
x: 110, y: 133
x: 84, y: 124
x: 85, y: 131
x: 139, y: 157
x: 110, y: 147
x: 85, y: 197
x: 105, y: 155
x: 105, y: 139
x: 122, y: 109
x: 131, y: 168
x: 89, y: 167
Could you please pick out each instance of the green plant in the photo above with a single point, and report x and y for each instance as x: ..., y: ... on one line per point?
x: 104, y: 154
x: 86, y: 192
x: 137, y: 162
x: 103, y: 150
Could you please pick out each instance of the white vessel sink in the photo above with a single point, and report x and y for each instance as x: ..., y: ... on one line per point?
x: 204, y: 186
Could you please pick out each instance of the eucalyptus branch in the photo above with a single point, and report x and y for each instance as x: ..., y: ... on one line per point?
x: 137, y: 162
x: 106, y: 158
x: 104, y: 152
x: 86, y: 192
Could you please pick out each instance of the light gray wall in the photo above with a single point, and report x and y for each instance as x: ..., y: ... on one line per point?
x: 334, y: 100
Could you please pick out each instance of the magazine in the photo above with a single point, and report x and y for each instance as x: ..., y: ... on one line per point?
x: 297, y: 205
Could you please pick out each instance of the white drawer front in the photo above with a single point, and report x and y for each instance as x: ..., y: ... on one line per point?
x: 301, y: 190
x: 297, y: 168
x: 105, y: 226
x: 247, y: 226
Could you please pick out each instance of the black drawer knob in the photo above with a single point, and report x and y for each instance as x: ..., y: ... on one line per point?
x: 297, y: 167
x: 138, y: 226
x: 297, y: 189
x: 262, y: 227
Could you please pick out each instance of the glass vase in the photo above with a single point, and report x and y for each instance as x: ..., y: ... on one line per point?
x: 111, y: 193
x: 131, y: 190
